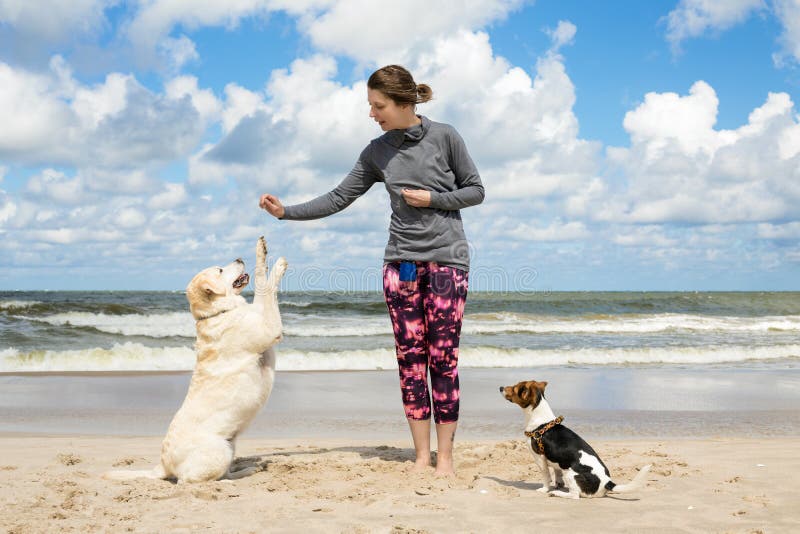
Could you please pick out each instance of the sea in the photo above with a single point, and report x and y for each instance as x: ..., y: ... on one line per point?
x: 115, y: 331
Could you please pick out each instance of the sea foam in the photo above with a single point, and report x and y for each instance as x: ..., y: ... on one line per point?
x: 137, y: 357
x: 181, y: 324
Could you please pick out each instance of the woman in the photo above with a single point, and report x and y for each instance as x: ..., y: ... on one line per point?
x: 429, y: 176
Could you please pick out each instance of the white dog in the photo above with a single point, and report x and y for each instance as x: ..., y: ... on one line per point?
x: 233, y: 376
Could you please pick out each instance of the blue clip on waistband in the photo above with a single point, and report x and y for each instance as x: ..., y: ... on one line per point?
x: 408, y: 271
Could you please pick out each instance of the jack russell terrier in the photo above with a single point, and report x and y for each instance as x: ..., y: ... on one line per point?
x: 574, y: 462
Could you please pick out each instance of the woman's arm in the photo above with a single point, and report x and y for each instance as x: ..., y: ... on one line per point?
x: 470, y: 188
x: 355, y: 184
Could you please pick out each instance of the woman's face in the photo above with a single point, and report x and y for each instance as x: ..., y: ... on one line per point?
x: 387, y: 113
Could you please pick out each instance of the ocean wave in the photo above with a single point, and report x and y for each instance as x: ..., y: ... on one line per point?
x: 15, y: 305
x: 347, y: 308
x: 503, y: 322
x: 38, y: 309
x: 120, y: 357
x: 181, y: 324
x: 175, y: 324
x: 295, y: 325
x: 297, y: 304
x: 137, y: 357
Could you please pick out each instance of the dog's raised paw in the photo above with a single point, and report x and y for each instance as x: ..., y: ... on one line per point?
x: 280, y: 267
x: 261, y: 250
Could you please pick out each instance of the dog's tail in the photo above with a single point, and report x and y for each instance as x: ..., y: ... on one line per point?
x: 156, y: 473
x: 636, y: 483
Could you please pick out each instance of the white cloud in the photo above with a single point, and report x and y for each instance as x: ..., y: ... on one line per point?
x: 52, y: 119
x: 555, y: 231
x: 203, y: 100
x: 788, y: 231
x: 679, y: 168
x: 644, y: 236
x: 170, y: 197
x: 54, y: 20
x: 310, y: 244
x: 178, y: 51
x: 130, y: 218
x: 118, y: 181
x: 152, y: 24
x: 564, y: 34
x: 204, y: 171
x: 7, y: 209
x: 668, y: 118
x: 240, y: 103
x: 54, y: 186
x: 789, y: 141
x: 341, y: 28
x: 69, y: 236
x: 788, y: 12
x: 693, y: 18
x: 32, y: 113
x: 93, y: 104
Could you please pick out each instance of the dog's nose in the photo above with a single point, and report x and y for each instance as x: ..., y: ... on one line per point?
x: 501, y: 389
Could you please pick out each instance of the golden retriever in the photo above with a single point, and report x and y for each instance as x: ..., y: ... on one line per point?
x: 233, y: 375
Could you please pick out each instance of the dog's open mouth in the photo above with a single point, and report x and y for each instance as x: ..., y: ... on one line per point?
x: 241, y: 281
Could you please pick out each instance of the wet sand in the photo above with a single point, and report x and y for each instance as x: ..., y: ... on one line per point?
x: 617, y: 403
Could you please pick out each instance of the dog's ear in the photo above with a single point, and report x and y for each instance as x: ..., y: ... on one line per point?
x: 538, y: 388
x: 212, y: 286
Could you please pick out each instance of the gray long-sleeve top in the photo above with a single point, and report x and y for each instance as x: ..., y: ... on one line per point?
x: 429, y: 156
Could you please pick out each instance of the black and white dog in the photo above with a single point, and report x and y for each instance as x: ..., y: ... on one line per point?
x: 576, y: 466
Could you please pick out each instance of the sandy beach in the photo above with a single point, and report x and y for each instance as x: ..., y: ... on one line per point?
x: 53, y: 484
x: 333, y: 455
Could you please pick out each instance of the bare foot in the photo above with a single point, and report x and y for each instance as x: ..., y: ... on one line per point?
x: 444, y: 467
x: 420, y: 466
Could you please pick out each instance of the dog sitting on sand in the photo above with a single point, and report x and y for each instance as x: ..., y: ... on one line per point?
x: 574, y: 462
x: 233, y: 375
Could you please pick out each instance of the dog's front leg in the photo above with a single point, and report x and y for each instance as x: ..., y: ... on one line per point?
x: 260, y: 274
x: 266, y: 289
x: 546, y: 480
x: 559, y: 477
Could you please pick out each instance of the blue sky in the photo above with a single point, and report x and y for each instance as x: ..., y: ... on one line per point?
x: 623, y: 145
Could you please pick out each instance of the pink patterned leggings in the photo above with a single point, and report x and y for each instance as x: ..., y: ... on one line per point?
x: 426, y: 318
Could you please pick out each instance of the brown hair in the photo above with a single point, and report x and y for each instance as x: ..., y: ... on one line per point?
x: 397, y: 83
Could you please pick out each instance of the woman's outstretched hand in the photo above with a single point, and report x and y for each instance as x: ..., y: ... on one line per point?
x: 418, y: 198
x: 271, y: 205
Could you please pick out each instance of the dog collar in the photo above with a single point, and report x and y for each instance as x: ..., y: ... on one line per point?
x: 537, y: 434
x: 212, y: 315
